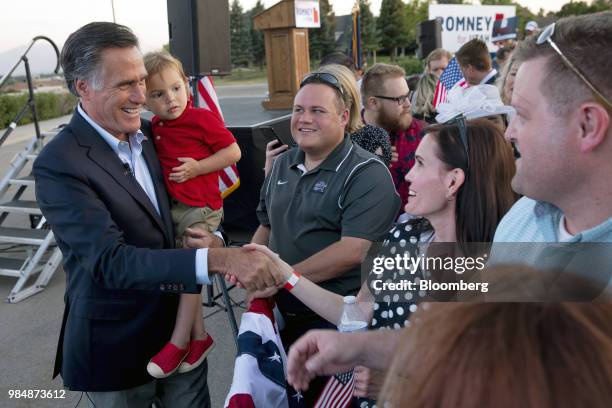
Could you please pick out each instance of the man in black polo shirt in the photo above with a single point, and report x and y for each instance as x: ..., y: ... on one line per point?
x: 323, y: 203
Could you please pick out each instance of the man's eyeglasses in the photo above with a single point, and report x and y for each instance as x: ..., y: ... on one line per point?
x: 459, y: 120
x: 400, y: 100
x: 546, y: 36
x: 322, y: 78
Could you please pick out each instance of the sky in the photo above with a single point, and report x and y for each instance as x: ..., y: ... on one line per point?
x: 56, y: 19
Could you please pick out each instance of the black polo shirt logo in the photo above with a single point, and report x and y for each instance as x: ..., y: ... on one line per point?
x: 319, y: 187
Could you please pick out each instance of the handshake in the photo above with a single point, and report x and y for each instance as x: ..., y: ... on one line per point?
x: 253, y: 267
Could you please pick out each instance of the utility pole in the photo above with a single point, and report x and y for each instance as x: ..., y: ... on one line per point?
x: 113, y: 7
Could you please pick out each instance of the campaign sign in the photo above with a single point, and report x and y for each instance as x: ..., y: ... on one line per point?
x: 461, y: 23
x: 307, y: 14
x: 505, y: 29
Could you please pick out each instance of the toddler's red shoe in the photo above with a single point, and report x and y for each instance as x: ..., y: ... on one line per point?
x: 198, y: 350
x: 167, y: 361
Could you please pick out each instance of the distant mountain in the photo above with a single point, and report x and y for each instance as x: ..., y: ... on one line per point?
x: 41, y: 57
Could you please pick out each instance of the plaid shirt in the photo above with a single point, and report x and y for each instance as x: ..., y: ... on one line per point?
x: 405, y: 143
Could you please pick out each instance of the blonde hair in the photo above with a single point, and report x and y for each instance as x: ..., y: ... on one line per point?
x: 425, y: 90
x: 373, y: 79
x: 435, y: 55
x: 501, y: 81
x: 156, y: 62
x: 351, y: 97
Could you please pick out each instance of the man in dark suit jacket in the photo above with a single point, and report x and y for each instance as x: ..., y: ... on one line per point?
x: 100, y: 187
x: 475, y: 63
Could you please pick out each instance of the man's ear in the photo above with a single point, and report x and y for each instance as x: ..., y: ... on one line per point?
x: 344, y: 117
x: 372, y: 103
x: 594, y: 122
x: 82, y: 87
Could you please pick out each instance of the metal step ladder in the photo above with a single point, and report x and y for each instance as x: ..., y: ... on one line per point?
x: 28, y: 254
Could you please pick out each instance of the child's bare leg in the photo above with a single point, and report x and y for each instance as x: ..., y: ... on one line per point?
x: 189, y: 305
x: 198, y: 331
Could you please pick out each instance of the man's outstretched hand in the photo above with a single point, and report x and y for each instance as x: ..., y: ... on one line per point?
x: 322, y: 352
x: 253, y: 269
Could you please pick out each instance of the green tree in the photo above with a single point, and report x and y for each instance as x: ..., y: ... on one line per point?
x: 575, y: 8
x: 322, y: 40
x: 240, y: 39
x: 450, y: 1
x: 602, y: 5
x: 417, y: 11
x: 392, y: 26
x: 257, y: 38
x: 370, y: 37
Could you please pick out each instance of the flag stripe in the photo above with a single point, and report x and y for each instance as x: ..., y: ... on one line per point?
x: 225, y: 178
x: 451, y: 76
x: 209, y: 95
x: 335, y: 394
x: 229, y: 180
x: 345, y: 395
x: 259, y: 369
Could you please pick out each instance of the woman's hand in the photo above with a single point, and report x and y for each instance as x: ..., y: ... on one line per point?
x: 368, y: 382
x: 271, y: 153
x: 261, y: 294
x: 284, y: 267
x: 394, y: 155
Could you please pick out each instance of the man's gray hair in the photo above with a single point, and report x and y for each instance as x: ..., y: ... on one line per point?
x: 82, y: 53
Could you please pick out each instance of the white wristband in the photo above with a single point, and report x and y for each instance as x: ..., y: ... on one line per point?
x: 292, y: 281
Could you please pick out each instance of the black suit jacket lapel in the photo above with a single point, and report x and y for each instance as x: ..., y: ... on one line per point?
x: 104, y: 156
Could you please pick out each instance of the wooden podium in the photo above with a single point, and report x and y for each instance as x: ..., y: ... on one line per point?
x: 287, y: 56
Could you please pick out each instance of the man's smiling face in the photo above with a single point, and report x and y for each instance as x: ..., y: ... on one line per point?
x: 317, y: 125
x: 116, y: 97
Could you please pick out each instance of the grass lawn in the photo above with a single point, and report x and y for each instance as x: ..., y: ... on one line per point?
x: 243, y: 76
x: 258, y: 75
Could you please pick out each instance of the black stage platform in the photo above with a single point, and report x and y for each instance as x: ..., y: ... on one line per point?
x: 250, y: 122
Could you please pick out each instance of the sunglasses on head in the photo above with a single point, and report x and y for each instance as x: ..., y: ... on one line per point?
x: 322, y: 78
x: 459, y: 120
x: 546, y: 36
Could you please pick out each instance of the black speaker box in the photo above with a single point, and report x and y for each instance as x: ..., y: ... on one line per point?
x: 200, y: 35
x: 429, y: 37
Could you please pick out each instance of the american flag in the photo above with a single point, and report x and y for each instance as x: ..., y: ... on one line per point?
x: 259, y: 369
x: 229, y: 179
x: 449, y: 78
x: 338, y: 391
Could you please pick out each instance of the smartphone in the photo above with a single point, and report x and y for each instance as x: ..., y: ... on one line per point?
x: 282, y: 139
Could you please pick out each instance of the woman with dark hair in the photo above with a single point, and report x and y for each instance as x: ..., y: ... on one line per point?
x: 460, y: 189
x: 463, y: 180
